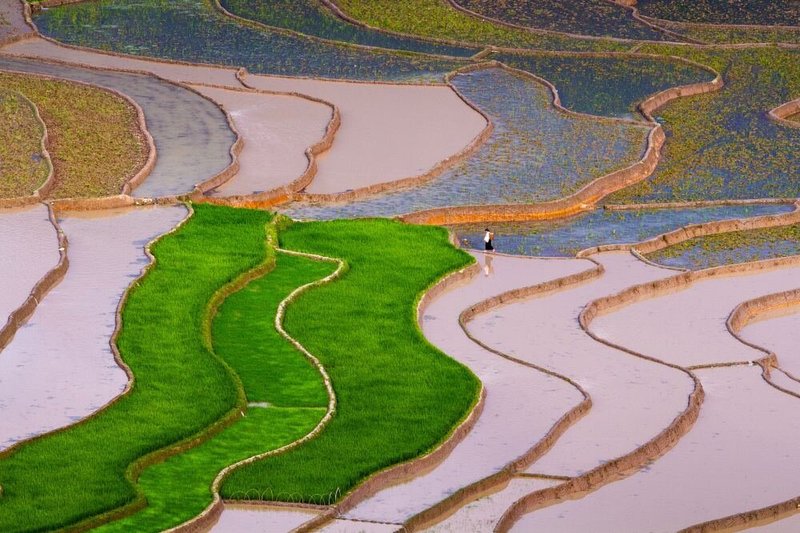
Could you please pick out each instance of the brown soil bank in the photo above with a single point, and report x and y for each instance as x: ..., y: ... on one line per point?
x: 60, y: 367
x: 96, y: 138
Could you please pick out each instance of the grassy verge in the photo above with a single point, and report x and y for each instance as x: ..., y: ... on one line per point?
x: 729, y: 248
x: 272, y: 373
x: 95, y: 141
x: 181, y: 387
x: 397, y: 395
x: 24, y: 168
x: 436, y: 19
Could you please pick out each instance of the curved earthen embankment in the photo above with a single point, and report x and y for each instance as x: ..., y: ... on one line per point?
x: 50, y: 377
x: 615, y: 381
x: 266, y: 165
x: 691, y: 231
x: 690, y: 464
x: 51, y: 183
x: 179, y: 117
x: 782, y: 113
x: 515, y: 413
x: 457, y: 6
x: 212, y: 513
x: 433, y: 123
x: 587, y: 197
x: 28, y: 260
x: 365, y: 159
x: 771, y: 323
x: 13, y: 23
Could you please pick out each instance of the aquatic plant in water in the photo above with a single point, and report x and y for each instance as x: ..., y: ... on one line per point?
x: 763, y: 12
x: 729, y: 248
x: 606, y: 86
x: 569, y: 236
x: 192, y: 30
x: 311, y: 17
x: 535, y: 153
x: 582, y: 17
x: 723, y: 145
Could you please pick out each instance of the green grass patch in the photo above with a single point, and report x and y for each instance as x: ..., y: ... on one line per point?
x: 271, y: 371
x: 437, y: 19
x: 181, y: 387
x: 398, y: 396
x: 730, y: 248
x: 95, y: 141
x: 23, y: 166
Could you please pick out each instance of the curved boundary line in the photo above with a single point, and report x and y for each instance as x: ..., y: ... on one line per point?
x: 782, y: 113
x: 212, y: 512
x: 464, y: 495
x: 750, y: 311
x: 436, y: 170
x: 285, y: 192
x: 340, y: 13
x: 458, y: 7
x: 400, y: 472
x: 252, y: 23
x: 125, y: 199
x: 49, y: 182
x: 591, y: 193
x: 52, y: 180
x: 112, y: 343
x: 53, y: 277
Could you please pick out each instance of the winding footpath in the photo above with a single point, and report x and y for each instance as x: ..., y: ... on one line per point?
x: 60, y: 368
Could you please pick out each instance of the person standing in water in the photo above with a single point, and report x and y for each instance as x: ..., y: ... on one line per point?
x: 488, y: 237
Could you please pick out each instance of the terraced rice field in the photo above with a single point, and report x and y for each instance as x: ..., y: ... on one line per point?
x: 178, y: 354
x: 94, y: 138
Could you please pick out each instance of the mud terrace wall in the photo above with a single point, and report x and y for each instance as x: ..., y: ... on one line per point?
x: 782, y: 112
x: 49, y: 183
x: 18, y: 317
x: 692, y: 231
x: 593, y: 192
x: 47, y: 187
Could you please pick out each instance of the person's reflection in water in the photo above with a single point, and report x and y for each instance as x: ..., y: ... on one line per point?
x: 488, y: 269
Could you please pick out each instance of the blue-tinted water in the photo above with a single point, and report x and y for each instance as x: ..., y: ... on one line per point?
x: 191, y: 30
x: 311, y: 17
x: 535, y: 154
x: 606, y: 86
x: 567, y: 237
x: 583, y: 17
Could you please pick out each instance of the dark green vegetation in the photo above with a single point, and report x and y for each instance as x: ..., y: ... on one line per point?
x: 723, y: 145
x: 397, y: 395
x: 583, y: 17
x: 288, y: 392
x: 535, y: 153
x: 95, y: 141
x: 24, y: 167
x: 311, y: 17
x: 606, y: 86
x: 436, y: 19
x: 192, y: 30
x: 734, y: 34
x: 181, y: 388
x: 729, y: 248
x: 567, y: 237
x: 766, y: 12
